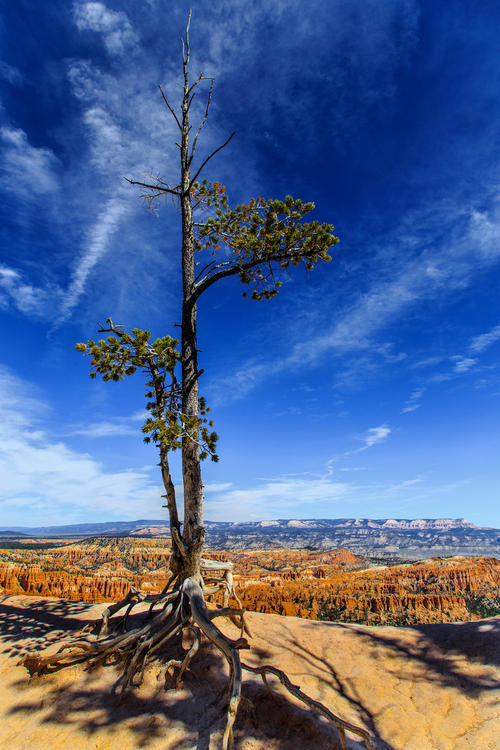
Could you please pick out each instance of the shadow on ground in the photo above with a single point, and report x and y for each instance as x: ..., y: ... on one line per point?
x: 461, y: 656
x: 38, y: 624
x: 440, y: 649
x: 192, y: 717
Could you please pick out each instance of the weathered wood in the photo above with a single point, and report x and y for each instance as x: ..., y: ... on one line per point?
x: 320, y: 708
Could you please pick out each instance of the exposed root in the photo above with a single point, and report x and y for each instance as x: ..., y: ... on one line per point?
x: 228, y: 648
x: 295, y: 690
x: 182, y: 608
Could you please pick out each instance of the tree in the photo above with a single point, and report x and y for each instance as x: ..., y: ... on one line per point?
x: 256, y: 242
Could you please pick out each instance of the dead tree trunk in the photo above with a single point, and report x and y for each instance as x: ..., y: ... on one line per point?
x: 193, y: 534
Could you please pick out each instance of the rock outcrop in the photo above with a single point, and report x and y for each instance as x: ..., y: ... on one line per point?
x: 319, y: 585
x: 31, y: 580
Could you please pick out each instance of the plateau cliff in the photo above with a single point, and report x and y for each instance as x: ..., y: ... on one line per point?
x: 315, y: 584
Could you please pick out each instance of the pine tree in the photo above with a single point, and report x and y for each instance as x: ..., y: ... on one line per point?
x: 257, y: 242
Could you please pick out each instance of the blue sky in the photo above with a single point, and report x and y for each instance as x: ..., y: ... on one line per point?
x: 371, y: 387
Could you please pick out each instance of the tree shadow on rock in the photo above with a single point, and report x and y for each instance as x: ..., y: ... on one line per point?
x: 439, y: 649
x: 38, y: 624
x: 326, y: 674
x: 191, y: 717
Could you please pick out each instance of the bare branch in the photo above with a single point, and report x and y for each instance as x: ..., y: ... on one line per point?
x: 200, y: 78
x: 160, y: 188
x: 209, y: 157
x: 200, y: 128
x: 213, y: 262
x: 172, y: 111
x: 188, y: 50
x: 113, y: 328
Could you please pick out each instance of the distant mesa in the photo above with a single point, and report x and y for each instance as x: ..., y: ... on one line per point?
x: 429, y: 523
x: 381, y: 540
x: 152, y: 526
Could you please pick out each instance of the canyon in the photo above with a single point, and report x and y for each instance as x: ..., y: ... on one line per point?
x: 331, y: 585
x: 380, y: 540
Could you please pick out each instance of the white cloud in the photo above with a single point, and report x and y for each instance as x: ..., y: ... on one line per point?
x: 118, y: 34
x: 108, y: 142
x: 116, y: 428
x: 405, y: 484
x: 403, y: 279
x: 25, y: 297
x: 50, y: 479
x: 28, y: 171
x: 414, y: 280
x: 125, y: 129
x: 376, y: 435
x: 485, y: 340
x: 427, y: 362
x: 372, y: 437
x: 139, y: 416
x: 241, y: 382
x: 463, y: 364
x: 98, y: 243
x: 484, y: 230
x: 217, y: 486
x: 277, y: 498
x: 413, y: 402
x: 11, y: 74
x: 370, y: 42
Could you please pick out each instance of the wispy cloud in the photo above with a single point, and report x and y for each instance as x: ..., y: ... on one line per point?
x: 371, y: 437
x: 463, y: 364
x: 409, y: 272
x: 115, y: 428
x: 26, y: 298
x: 413, y: 403
x: 365, y: 42
x: 40, y: 473
x: 375, y: 435
x: 217, y: 486
x: 96, y: 247
x: 292, y: 496
x: 405, y: 484
x: 420, y: 277
x: 427, y: 362
x: 485, y: 340
x: 121, y: 122
x: 11, y: 74
x: 28, y: 171
x: 123, y: 129
x: 115, y: 27
x: 279, y: 497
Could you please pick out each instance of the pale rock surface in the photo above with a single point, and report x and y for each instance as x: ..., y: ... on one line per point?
x: 431, y: 687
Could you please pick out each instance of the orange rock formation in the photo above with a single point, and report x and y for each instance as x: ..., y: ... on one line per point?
x: 317, y: 585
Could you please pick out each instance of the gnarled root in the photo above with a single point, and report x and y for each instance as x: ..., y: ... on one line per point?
x: 340, y: 724
x: 184, y: 607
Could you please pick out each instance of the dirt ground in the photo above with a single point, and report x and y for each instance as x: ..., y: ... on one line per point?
x: 429, y: 687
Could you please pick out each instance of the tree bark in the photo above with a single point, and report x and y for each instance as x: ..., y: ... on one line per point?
x: 194, y: 532
x: 176, y: 558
